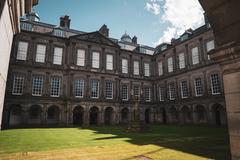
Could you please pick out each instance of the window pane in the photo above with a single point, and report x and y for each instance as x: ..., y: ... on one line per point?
x: 147, y: 94
x: 18, y: 83
x: 161, y: 93
x: 160, y: 68
x: 215, y: 82
x: 171, y: 90
x: 136, y: 68
x: 80, y: 57
x: 94, y: 88
x: 195, y: 55
x: 40, y: 55
x: 181, y: 60
x: 37, y: 85
x: 184, y: 89
x: 170, y: 64
x: 146, y: 69
x: 57, y: 58
x: 79, y: 88
x: 124, y: 66
x: 136, y: 90
x: 22, y: 51
x: 109, y: 64
x: 95, y: 59
x: 210, y: 45
x: 198, y: 87
x: 124, y: 92
x: 109, y: 90
x: 55, y: 87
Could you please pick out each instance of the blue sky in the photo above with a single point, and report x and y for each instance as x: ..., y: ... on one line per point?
x: 150, y: 20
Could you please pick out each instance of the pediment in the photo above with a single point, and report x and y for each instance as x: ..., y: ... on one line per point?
x: 95, y: 37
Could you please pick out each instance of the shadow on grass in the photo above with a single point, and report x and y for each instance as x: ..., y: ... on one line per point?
x: 205, y: 141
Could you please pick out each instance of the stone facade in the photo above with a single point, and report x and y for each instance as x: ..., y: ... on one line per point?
x: 10, y: 12
x: 178, y: 104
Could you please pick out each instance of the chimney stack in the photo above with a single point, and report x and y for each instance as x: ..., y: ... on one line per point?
x: 134, y: 40
x: 65, y: 21
x: 104, y: 30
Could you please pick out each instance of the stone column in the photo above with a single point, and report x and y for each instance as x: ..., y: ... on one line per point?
x: 229, y: 57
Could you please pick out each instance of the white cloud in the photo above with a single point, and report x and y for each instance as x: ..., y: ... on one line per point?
x: 181, y: 15
x: 153, y: 7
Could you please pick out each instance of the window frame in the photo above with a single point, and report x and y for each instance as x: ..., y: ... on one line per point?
x: 34, y: 85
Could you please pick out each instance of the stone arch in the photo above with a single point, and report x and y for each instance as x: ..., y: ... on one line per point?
x: 108, y: 116
x: 186, y: 115
x: 124, y: 115
x: 173, y: 114
x: 147, y: 113
x: 163, y: 115
x: 218, y: 114
x: 53, y: 115
x: 200, y: 114
x: 15, y: 115
x: 78, y: 115
x: 93, y: 116
x: 35, y: 114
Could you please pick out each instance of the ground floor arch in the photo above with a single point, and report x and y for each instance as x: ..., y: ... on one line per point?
x: 93, y: 116
x: 15, y: 115
x: 124, y: 115
x: 200, y: 114
x: 78, y: 115
x: 108, y: 116
x: 147, y: 115
x: 53, y: 115
x: 35, y: 114
x: 218, y: 114
x: 186, y: 115
x: 173, y: 114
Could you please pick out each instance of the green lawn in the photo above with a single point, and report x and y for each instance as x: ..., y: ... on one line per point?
x: 161, y: 142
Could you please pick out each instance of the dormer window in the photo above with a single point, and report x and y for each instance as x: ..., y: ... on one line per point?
x: 184, y: 37
x: 26, y: 26
x: 164, y: 47
x: 58, y: 32
x: 143, y: 50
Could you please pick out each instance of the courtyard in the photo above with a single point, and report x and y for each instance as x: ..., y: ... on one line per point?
x: 163, y: 142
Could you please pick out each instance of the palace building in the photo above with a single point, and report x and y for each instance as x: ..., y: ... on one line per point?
x: 62, y: 77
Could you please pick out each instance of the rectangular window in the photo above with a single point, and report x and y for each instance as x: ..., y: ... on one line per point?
x: 147, y: 94
x: 81, y: 57
x: 18, y: 83
x: 41, y: 51
x: 124, y: 92
x: 146, y: 69
x: 109, y: 90
x: 55, y: 87
x: 37, y: 85
x: 170, y: 64
x: 26, y: 26
x: 215, y: 84
x: 79, y: 88
x: 124, y: 66
x: 160, y: 68
x: 109, y: 63
x: 57, y: 57
x: 58, y: 32
x: 95, y: 59
x: 210, y: 45
x: 94, y: 88
x: 181, y: 60
x: 195, y: 56
x: 198, y: 87
x: 161, y: 93
x: 171, y: 90
x: 136, y: 91
x: 136, y: 68
x: 184, y: 89
x: 22, y: 51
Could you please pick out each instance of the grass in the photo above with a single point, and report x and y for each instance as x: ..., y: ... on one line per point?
x: 166, y: 142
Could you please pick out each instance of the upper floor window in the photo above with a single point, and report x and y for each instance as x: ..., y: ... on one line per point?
x: 55, y: 87
x: 210, y: 45
x: 109, y: 90
x: 79, y: 88
x: 26, y: 26
x: 58, y: 32
x: 57, y: 57
x: 124, y: 92
x: 215, y: 84
x: 184, y: 89
x: 95, y: 59
x: 41, y: 51
x: 136, y: 90
x: 160, y: 68
x: 81, y: 57
x: 22, y: 50
x: 170, y: 64
x: 147, y: 94
x: 94, y: 88
x: 181, y: 60
x: 18, y: 83
x: 109, y: 64
x: 171, y: 90
x: 146, y: 69
x: 37, y: 85
x: 124, y: 66
x: 161, y: 93
x: 195, y: 56
x: 198, y: 87
x: 136, y: 67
